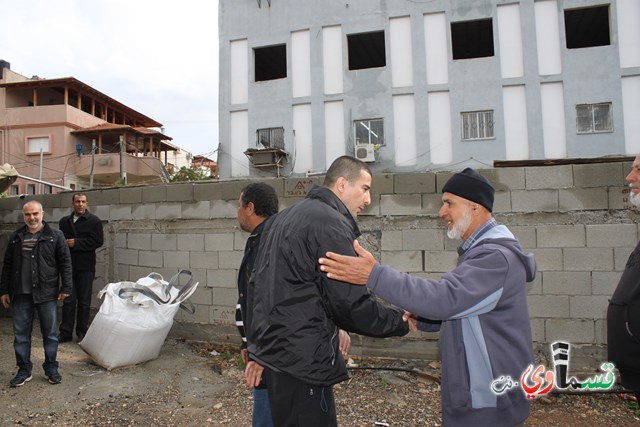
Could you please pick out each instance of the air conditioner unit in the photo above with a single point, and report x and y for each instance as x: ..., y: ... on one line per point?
x: 365, y: 152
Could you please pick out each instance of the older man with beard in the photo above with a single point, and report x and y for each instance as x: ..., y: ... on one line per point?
x: 480, y: 307
x: 623, y: 314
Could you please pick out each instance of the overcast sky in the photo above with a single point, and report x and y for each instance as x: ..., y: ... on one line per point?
x: 158, y: 57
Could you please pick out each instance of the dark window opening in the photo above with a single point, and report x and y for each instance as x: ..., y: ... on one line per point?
x: 270, y: 62
x: 472, y: 39
x: 587, y: 27
x: 366, y: 50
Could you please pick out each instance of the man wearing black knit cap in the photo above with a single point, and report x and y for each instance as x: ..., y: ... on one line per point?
x: 480, y: 307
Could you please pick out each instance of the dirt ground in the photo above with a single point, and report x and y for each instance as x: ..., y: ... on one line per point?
x: 189, y: 386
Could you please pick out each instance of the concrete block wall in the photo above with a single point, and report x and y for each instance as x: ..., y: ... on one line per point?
x: 576, y: 219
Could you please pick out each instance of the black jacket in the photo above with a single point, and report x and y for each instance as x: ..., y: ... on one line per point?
x: 53, y: 264
x: 87, y: 231
x: 294, y: 311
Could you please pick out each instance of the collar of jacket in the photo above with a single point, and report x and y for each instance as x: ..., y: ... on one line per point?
x: 328, y: 197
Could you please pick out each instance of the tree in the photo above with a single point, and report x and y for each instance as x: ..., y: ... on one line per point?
x: 186, y: 174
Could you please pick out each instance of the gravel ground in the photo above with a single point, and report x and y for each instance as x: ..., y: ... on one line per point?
x: 189, y: 386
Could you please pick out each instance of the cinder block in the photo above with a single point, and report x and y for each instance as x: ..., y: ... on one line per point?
x: 391, y: 240
x: 56, y: 215
x: 202, y: 314
x: 537, y: 330
x: 224, y: 209
x: 120, y: 241
x: 431, y: 240
x: 548, y: 306
x: 605, y: 282
x: 601, y: 332
x: 621, y: 256
x: 300, y: 187
x: 560, y: 236
x: 196, y: 210
x: 407, y: 261
x: 139, y: 241
x: 127, y: 256
x: 227, y: 297
x: 102, y: 197
x: 573, y: 331
x: 223, y: 314
x: 190, y: 242
x: 566, y: 283
x: 180, y: 192
x: 525, y: 234
x: 440, y: 261
x: 102, y: 212
x: 612, y: 235
x: 441, y: 179
x: 534, y: 200
x: 120, y: 212
x: 619, y: 198
x: 176, y: 259
x: 535, y: 287
x: 589, y: 307
x: 199, y: 275
x: 403, y: 204
x: 151, y: 258
x: 168, y: 210
x: 373, y: 209
x: 204, y: 260
x: 143, y: 211
x: 230, y: 259
x: 544, y: 177
x: 598, y: 175
x: 588, y: 259
x: 219, y: 241
x: 222, y: 279
x: 203, y: 296
x: 230, y: 190
x: 415, y: 183
x: 164, y: 242
x: 548, y: 259
x: 154, y: 194
x: 502, y: 202
x: 505, y: 179
x: 130, y: 195
x: 207, y: 191
x: 240, y: 240
x: 382, y: 183
x: 580, y: 199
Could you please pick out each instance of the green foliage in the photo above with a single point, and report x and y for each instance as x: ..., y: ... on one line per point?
x: 186, y: 174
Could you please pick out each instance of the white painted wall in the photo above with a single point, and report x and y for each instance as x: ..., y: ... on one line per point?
x: 553, y: 123
x: 302, y: 138
x: 300, y: 64
x: 514, y: 99
x: 631, y: 109
x: 332, y: 59
x: 239, y: 72
x: 435, y: 40
x: 239, y: 143
x: 334, y: 131
x: 401, y: 52
x: 510, y: 41
x: 629, y: 33
x: 548, y: 37
x: 404, y: 126
x: 440, y: 127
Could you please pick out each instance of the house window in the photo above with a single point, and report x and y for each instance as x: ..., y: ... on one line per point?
x: 270, y: 62
x: 15, y: 190
x: 31, y: 189
x: 35, y: 144
x: 594, y: 118
x: 366, y: 50
x: 369, y: 131
x: 477, y: 125
x: 48, y: 189
x: 587, y: 27
x: 472, y: 39
x: 270, y: 138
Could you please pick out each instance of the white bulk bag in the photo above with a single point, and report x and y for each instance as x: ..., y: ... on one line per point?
x: 135, y: 318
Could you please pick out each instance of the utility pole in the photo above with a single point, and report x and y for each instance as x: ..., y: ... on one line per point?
x: 93, y: 153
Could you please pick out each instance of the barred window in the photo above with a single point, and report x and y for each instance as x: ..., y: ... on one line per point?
x: 370, y: 131
x: 477, y: 125
x: 270, y: 138
x: 594, y: 118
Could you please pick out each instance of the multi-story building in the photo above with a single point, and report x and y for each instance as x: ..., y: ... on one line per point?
x: 70, y: 135
x: 417, y: 85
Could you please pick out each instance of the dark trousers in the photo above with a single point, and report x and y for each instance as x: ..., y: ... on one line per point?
x: 80, y: 298
x: 296, y: 403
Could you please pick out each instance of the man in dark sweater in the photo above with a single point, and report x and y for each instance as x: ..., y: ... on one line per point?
x: 84, y: 235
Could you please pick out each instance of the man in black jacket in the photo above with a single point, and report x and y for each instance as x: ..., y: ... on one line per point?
x: 84, y: 235
x: 36, y: 260
x: 295, y: 312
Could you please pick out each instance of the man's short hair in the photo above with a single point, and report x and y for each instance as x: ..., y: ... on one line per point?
x: 263, y: 196
x: 76, y: 194
x: 347, y: 167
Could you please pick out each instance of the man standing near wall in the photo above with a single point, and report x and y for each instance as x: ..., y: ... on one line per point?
x: 623, y: 314
x: 84, y: 235
x: 481, y: 304
x: 295, y: 312
x: 36, y: 260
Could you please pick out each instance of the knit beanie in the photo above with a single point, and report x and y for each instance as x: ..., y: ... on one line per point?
x: 470, y: 185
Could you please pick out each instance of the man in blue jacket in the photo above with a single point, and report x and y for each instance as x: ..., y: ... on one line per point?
x: 481, y: 305
x: 35, y: 275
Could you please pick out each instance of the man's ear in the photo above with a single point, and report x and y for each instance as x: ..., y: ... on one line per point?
x: 251, y: 207
x: 341, y: 183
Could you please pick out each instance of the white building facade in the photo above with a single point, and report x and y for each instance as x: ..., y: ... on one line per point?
x: 425, y: 85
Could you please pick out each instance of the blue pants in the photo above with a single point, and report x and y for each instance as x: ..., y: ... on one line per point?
x: 23, y: 313
x: 261, y: 410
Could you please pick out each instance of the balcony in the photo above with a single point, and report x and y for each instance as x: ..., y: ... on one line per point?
x: 106, y: 169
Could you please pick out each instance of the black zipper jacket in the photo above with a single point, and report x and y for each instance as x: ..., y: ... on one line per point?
x: 88, y: 234
x: 294, y: 311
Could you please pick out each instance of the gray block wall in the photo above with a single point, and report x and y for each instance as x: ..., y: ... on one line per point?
x: 574, y: 218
